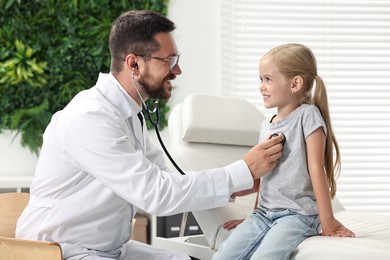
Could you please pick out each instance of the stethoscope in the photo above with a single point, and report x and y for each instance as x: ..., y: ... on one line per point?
x: 155, y: 124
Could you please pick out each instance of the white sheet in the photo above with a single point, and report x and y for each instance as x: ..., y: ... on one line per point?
x: 372, y: 240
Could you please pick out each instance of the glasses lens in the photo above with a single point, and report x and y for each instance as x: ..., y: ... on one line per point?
x: 174, y: 61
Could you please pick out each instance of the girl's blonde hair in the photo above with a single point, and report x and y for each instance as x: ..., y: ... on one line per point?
x: 298, y: 60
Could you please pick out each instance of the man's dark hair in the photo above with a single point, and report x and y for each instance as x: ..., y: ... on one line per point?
x: 133, y: 32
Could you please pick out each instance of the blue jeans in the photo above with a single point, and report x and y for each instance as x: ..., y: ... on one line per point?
x: 268, y: 235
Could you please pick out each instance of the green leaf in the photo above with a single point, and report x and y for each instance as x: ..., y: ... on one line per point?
x: 29, y: 52
x: 19, y: 46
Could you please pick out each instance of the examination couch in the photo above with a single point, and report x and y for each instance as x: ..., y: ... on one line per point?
x: 208, y: 131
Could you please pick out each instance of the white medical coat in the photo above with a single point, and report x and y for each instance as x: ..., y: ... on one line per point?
x: 97, y: 167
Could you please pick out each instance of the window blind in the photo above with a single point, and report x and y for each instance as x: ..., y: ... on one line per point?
x: 351, y: 40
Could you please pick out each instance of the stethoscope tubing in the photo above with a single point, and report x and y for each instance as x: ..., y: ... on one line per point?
x: 155, y: 124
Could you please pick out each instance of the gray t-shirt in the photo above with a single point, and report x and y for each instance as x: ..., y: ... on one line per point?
x: 288, y: 185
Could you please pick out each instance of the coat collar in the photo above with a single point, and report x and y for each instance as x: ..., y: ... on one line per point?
x: 112, y: 90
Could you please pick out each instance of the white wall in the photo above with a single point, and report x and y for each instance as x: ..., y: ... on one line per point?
x: 197, y: 37
x: 15, y: 160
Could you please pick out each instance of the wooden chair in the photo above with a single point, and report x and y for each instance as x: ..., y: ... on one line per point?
x: 11, y: 248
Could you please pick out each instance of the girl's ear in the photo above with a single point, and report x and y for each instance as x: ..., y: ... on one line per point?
x: 296, y: 84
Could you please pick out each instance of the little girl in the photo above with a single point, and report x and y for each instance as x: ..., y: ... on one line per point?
x: 294, y: 199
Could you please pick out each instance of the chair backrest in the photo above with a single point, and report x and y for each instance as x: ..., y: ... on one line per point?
x: 17, y: 249
x: 207, y: 131
x: 11, y: 207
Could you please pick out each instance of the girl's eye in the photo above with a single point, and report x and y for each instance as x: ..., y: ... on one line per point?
x: 266, y: 79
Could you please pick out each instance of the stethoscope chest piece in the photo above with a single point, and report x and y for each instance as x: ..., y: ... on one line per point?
x: 278, y: 134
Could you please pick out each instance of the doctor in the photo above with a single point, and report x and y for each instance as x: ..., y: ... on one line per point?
x: 97, y: 165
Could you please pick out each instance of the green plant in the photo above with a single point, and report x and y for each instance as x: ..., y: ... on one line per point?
x: 49, y: 51
x: 22, y: 67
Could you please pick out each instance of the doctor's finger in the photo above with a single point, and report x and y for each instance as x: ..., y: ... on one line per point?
x: 275, y: 152
x: 272, y: 164
x: 268, y: 143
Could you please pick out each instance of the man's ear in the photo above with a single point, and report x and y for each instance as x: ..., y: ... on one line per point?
x: 131, y: 62
x: 296, y: 84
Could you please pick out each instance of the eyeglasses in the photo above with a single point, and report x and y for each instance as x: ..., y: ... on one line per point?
x: 173, y: 60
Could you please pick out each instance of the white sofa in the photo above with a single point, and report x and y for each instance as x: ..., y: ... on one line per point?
x: 210, y: 131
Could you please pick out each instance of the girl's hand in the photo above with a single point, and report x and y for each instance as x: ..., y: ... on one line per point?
x: 335, y: 229
x: 255, y: 188
x: 232, y: 224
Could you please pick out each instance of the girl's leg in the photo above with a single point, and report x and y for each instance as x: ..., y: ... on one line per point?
x: 244, y: 240
x: 286, y: 233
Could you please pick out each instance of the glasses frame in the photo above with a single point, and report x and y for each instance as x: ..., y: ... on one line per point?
x: 173, y: 59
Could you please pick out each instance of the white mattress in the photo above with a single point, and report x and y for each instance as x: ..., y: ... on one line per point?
x: 372, y: 240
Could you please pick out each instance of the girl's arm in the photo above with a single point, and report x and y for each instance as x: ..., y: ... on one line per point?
x: 255, y: 188
x: 315, y: 145
x: 235, y: 222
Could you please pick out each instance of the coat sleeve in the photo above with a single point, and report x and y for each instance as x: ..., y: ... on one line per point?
x: 102, y: 148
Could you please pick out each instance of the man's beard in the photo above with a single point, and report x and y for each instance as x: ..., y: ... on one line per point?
x: 155, y: 90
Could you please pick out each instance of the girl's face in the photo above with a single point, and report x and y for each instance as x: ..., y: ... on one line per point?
x: 275, y: 87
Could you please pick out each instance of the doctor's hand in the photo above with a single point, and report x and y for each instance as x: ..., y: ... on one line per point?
x: 264, y: 157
